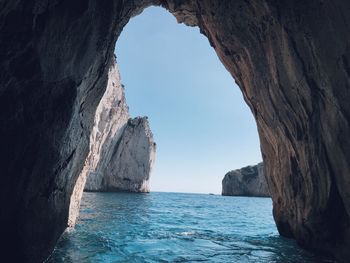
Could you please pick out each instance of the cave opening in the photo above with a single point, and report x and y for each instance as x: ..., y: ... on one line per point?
x: 289, y: 58
x: 200, y: 122
x: 196, y: 113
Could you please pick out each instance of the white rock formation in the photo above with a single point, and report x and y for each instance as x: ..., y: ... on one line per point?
x: 122, y: 150
x: 129, y: 162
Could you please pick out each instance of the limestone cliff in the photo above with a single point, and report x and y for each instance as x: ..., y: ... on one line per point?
x: 128, y: 164
x: 290, y: 58
x: 111, y: 116
x: 247, y: 181
x: 122, y: 150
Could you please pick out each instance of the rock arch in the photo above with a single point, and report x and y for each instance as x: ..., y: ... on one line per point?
x: 290, y: 58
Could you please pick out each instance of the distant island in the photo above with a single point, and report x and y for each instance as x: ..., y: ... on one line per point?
x: 247, y: 181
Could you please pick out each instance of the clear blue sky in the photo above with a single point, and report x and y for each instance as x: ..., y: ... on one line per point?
x: 200, y: 122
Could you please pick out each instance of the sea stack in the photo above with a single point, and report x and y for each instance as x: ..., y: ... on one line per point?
x: 247, y: 181
x: 128, y: 163
x: 122, y: 150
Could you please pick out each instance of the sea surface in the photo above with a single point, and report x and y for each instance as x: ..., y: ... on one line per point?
x: 176, y: 227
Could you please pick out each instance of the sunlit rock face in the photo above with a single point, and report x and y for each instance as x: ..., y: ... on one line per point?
x: 247, y: 181
x: 128, y: 163
x: 111, y: 117
x: 290, y: 58
x: 122, y: 150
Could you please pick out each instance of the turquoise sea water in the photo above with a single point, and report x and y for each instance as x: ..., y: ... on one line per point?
x: 175, y: 227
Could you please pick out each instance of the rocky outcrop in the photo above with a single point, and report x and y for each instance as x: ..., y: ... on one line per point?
x: 290, y: 58
x: 129, y: 161
x: 122, y: 150
x: 247, y: 181
x: 111, y: 116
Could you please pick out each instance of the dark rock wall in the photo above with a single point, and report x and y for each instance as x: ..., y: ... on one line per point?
x: 290, y: 58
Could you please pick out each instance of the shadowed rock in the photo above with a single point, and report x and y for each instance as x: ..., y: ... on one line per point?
x: 247, y: 181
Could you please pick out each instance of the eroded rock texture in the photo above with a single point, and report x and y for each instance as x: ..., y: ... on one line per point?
x: 247, y: 181
x: 290, y: 58
x: 129, y: 161
x: 110, y: 119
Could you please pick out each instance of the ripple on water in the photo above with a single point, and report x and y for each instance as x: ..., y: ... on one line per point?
x: 173, y: 227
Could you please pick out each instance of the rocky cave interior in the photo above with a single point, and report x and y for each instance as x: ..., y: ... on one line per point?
x: 290, y: 59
